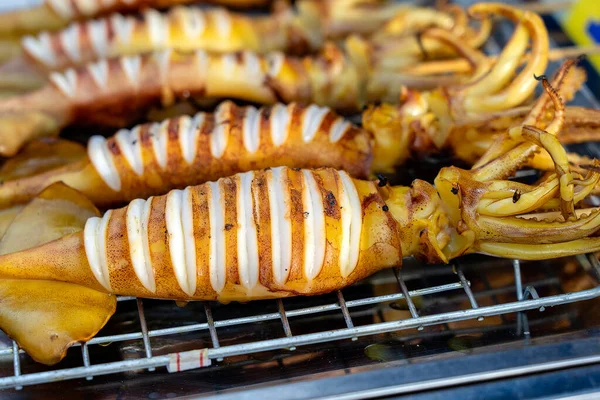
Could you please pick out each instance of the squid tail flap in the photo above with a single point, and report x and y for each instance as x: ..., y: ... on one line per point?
x: 45, y: 317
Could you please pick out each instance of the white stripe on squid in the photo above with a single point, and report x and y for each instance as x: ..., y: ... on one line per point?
x: 351, y: 211
x: 132, y: 66
x: 123, y: 28
x: 69, y: 39
x: 40, y: 48
x: 201, y: 59
x: 182, y: 248
x: 275, y: 61
x: 280, y: 119
x: 99, y: 73
x: 314, y: 226
x: 62, y: 7
x: 92, y: 252
x: 137, y: 218
x: 217, y: 258
x: 252, y: 65
x: 222, y: 20
x: 98, y: 33
x: 220, y: 134
x: 338, y: 129
x: 194, y: 22
x: 228, y: 64
x: 94, y: 240
x: 129, y: 142
x: 162, y: 59
x: 103, y: 162
x: 281, y: 224
x: 251, y: 129
x: 311, y: 121
x: 87, y: 7
x: 66, y: 82
x: 158, y: 27
x: 189, y: 131
x: 159, y: 136
x: 247, y: 241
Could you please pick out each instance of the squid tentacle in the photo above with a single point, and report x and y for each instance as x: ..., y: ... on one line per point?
x: 482, y: 209
x: 441, y: 118
x: 521, y: 86
x: 508, y: 143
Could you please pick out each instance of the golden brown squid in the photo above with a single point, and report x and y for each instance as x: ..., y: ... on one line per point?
x: 153, y: 158
x: 117, y: 91
x: 286, y: 232
x: 218, y: 30
x: 55, y: 14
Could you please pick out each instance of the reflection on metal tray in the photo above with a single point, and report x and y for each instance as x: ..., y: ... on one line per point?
x: 459, y: 328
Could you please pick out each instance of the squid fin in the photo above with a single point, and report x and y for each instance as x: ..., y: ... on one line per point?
x: 46, y: 317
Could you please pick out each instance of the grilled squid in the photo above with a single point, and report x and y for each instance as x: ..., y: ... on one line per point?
x: 118, y: 91
x: 115, y: 92
x: 181, y: 28
x: 153, y: 158
x: 55, y: 14
x: 466, y: 117
x: 219, y: 30
x: 284, y: 232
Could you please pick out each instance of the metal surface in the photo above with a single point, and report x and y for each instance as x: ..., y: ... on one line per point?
x: 289, y: 341
x: 444, y: 374
x: 409, y: 331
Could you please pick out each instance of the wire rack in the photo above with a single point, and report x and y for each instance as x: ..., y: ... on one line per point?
x: 527, y: 299
x: 154, y: 358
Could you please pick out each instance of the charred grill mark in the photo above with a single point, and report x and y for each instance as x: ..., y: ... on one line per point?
x: 330, y: 205
x: 173, y: 129
x: 266, y: 112
x: 367, y: 200
x: 229, y: 193
x: 113, y: 147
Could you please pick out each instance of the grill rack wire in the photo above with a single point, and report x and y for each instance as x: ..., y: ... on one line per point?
x: 527, y: 299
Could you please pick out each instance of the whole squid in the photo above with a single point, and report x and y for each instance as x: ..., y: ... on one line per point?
x: 285, y: 232
x: 118, y: 91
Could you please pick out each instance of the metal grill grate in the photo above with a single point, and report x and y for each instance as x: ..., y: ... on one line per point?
x: 527, y: 298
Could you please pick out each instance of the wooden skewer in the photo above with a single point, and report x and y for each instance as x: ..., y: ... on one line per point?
x: 462, y: 65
